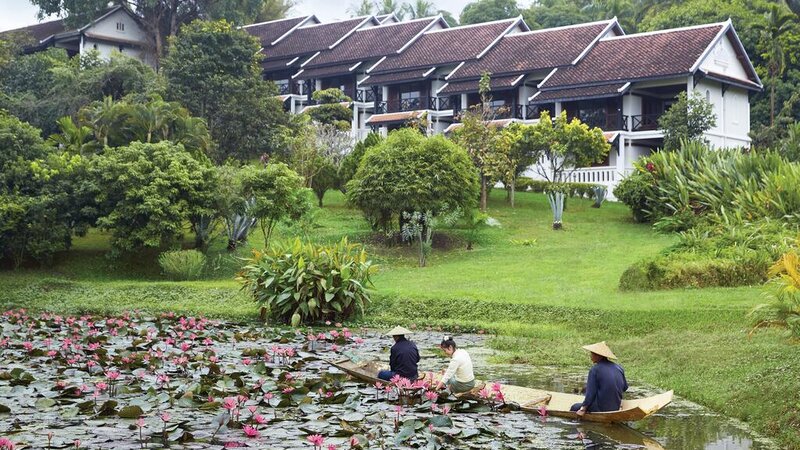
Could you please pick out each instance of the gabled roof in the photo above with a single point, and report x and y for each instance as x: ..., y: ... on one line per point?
x: 644, y: 56
x: 495, y: 84
x: 580, y: 93
x: 375, y: 42
x: 449, y: 46
x: 535, y: 50
x: 40, y: 31
x: 309, y: 39
x: 269, y: 32
x: 406, y: 76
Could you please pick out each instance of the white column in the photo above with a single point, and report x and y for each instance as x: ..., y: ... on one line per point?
x: 621, y: 156
x: 354, y: 124
x: 318, y: 85
x: 558, y: 109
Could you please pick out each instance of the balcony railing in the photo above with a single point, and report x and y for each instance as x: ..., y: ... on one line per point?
x: 407, y: 104
x: 606, y: 122
x: 441, y: 103
x: 365, y: 95
x: 284, y: 89
x: 644, y: 122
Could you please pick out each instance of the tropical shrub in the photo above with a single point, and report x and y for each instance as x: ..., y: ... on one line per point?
x: 713, y: 255
x: 147, y: 193
x: 686, y: 120
x: 633, y: 191
x: 352, y: 160
x: 330, y: 108
x: 783, y: 289
x: 275, y: 193
x: 182, y: 264
x: 301, y: 282
x: 409, y: 172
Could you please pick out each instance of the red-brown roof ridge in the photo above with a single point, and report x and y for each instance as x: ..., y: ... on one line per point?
x: 312, y: 38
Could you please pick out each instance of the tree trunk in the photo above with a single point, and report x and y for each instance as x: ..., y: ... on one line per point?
x: 511, y: 192
x: 772, y: 103
x: 483, y: 192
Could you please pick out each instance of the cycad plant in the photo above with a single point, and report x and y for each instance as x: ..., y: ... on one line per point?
x: 783, y: 309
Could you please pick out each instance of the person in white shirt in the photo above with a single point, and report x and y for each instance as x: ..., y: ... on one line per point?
x: 458, y: 377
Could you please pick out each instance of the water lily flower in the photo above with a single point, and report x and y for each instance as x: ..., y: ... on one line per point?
x: 353, y: 441
x: 252, y: 409
x: 543, y: 411
x: 229, y: 403
x: 112, y: 375
x: 247, y: 361
x: 77, y: 443
x: 28, y: 346
x: 6, y: 444
x: 358, y: 341
x: 259, y: 419
x: 446, y: 409
x: 331, y: 447
x: 288, y: 390
x: 431, y: 396
x: 316, y: 440
x: 250, y: 432
x: 268, y: 396
x: 165, y: 416
x: 140, y: 422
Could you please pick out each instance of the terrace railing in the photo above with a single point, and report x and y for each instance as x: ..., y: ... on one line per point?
x: 440, y: 103
x: 644, y: 122
x: 365, y: 95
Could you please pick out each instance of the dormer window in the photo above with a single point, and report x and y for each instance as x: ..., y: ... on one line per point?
x: 120, y: 26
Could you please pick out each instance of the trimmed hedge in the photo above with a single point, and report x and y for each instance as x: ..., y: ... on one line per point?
x: 687, y: 270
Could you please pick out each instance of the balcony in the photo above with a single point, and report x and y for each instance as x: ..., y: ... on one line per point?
x: 441, y: 103
x: 406, y: 104
x: 365, y: 96
x: 606, y: 122
x: 645, y: 122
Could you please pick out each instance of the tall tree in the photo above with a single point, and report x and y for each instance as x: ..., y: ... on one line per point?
x: 363, y: 8
x: 213, y: 69
x: 390, y: 7
x: 488, y: 10
x: 778, y: 24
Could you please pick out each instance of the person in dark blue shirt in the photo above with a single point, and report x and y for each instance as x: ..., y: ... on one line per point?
x: 605, y: 384
x: 403, y: 358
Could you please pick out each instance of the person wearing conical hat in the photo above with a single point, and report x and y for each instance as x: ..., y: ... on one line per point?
x: 403, y: 358
x: 605, y: 384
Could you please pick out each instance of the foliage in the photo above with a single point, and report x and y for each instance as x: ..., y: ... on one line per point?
x: 789, y: 147
x: 315, y: 148
x: 419, y: 226
x: 45, y: 86
x: 331, y: 109
x: 686, y: 120
x: 352, y: 160
x: 489, y: 148
x: 410, y: 172
x: 39, y: 194
x: 783, y: 290
x: 213, y: 70
x: 146, y: 193
x: 302, y: 282
x: 327, y: 178
x: 232, y: 206
x: 488, y: 10
x: 557, y: 15
x: 634, y: 191
x: 277, y: 195
x: 182, y: 264
x: 714, y: 255
x: 559, y: 146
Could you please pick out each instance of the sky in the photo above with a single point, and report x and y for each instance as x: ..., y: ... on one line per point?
x: 20, y: 13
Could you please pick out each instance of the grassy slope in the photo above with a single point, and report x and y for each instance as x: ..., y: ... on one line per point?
x: 544, y: 300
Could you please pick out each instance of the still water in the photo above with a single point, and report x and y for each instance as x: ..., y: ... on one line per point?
x: 682, y: 425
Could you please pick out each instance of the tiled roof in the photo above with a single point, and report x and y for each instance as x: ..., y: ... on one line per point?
x: 496, y: 84
x: 275, y: 64
x: 267, y: 32
x: 373, y: 42
x: 639, y: 56
x: 581, y: 93
x: 392, y: 117
x: 534, y: 50
x: 397, y: 77
x: 310, y: 39
x: 325, y: 71
x: 748, y: 84
x: 448, y: 46
x: 40, y: 31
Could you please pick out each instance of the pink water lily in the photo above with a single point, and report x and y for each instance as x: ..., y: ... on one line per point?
x: 165, y: 416
x: 316, y: 440
x: 6, y: 444
x: 259, y: 419
x: 250, y: 432
x: 229, y: 403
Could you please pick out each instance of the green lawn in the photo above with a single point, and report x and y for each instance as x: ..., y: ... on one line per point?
x: 542, y: 300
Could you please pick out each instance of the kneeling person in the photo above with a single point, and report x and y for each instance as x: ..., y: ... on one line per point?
x: 403, y: 358
x: 606, y: 382
x: 458, y: 377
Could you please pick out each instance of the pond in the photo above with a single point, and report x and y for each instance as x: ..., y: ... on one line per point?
x: 133, y: 382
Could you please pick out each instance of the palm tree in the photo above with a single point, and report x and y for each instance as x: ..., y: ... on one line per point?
x: 390, y: 7
x: 778, y: 24
x: 103, y: 118
x: 365, y: 8
x: 419, y: 9
x: 74, y: 138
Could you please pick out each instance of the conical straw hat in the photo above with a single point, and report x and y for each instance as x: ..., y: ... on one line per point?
x: 601, y: 349
x: 398, y: 331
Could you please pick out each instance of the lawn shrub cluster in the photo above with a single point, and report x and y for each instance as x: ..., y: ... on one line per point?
x: 300, y: 282
x: 182, y: 264
x: 732, y: 209
x: 580, y: 190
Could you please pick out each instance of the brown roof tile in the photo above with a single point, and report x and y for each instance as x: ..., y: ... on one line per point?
x: 325, y: 71
x: 406, y: 76
x: 276, y: 64
x: 40, y: 31
x: 392, y: 117
x: 310, y: 39
x: 496, y: 84
x: 534, y: 50
x: 581, y: 93
x: 448, y: 46
x: 267, y: 32
x: 639, y: 56
x: 373, y: 42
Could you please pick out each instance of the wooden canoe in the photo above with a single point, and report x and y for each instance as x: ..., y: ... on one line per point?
x: 532, y: 400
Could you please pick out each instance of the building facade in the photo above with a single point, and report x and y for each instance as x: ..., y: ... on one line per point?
x: 399, y: 71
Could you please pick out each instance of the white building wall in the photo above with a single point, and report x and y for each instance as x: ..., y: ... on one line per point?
x: 118, y: 26
x: 722, y: 59
x: 732, y: 111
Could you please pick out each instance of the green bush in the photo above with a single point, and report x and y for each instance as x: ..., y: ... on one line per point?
x: 182, y: 264
x: 634, y: 191
x: 301, y: 282
x: 713, y: 255
x: 783, y: 308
